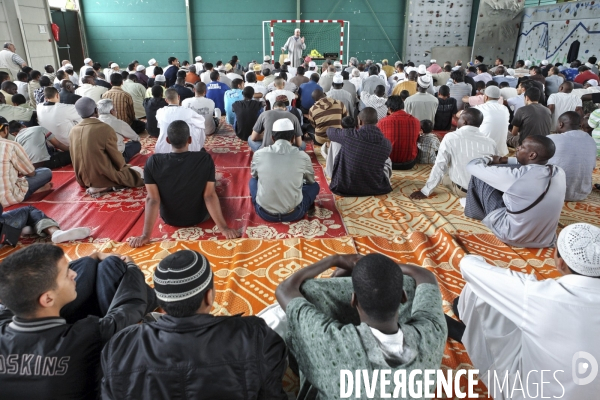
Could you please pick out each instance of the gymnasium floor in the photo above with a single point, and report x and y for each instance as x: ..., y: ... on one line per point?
x: 433, y: 233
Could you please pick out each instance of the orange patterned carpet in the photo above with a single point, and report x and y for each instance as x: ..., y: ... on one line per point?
x: 433, y: 233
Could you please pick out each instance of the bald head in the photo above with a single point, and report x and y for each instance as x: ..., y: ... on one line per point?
x: 368, y: 116
x: 566, y: 87
x: 569, y: 121
x: 317, y: 94
x: 471, y: 117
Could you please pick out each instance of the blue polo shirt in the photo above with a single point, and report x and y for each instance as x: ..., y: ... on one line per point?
x: 305, y: 93
x: 216, y: 92
x: 231, y: 96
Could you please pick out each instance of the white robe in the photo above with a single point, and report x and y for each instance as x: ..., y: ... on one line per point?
x: 294, y: 48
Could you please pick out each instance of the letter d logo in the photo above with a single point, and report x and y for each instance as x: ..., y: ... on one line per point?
x: 584, y: 363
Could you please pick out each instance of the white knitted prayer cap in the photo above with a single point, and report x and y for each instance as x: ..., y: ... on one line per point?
x: 579, y: 245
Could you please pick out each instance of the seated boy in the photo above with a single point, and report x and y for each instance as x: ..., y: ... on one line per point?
x: 386, y: 316
x: 428, y: 144
x: 57, y: 317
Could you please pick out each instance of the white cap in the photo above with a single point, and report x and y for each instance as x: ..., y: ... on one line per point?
x: 140, y: 68
x: 338, y: 79
x: 593, y: 82
x: 493, y: 92
x: 337, y: 64
x: 152, y: 61
x: 408, y: 70
x: 422, y: 69
x: 589, y: 65
x: 160, y: 78
x: 312, y: 64
x: 424, y: 81
x: 68, y: 66
x: 432, y: 61
x: 397, y: 63
x: 267, y: 58
x: 114, y: 65
x: 287, y: 60
x: 87, y: 60
x: 527, y: 63
x: 511, y: 71
x: 579, y: 245
x: 282, y: 125
x: 355, y: 72
x: 545, y: 62
x: 199, y: 58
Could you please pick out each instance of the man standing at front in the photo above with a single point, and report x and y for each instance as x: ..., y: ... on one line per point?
x: 282, y: 186
x: 294, y: 46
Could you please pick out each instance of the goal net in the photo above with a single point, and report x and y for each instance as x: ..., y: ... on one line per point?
x: 320, y: 36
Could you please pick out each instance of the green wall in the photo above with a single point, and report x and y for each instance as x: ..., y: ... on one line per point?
x: 123, y: 30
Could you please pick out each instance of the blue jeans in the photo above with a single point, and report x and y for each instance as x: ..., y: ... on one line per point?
x: 27, y: 216
x: 309, y: 194
x: 97, y: 283
x: 131, y: 149
x: 41, y: 177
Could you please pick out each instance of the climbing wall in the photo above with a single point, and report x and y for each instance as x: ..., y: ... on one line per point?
x: 435, y: 23
x: 547, y: 32
x: 497, y: 30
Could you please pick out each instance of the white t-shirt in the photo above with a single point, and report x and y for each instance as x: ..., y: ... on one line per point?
x: 204, y: 107
x: 271, y: 97
x: 508, y: 93
x: 391, y: 345
x: 495, y: 124
x: 563, y: 102
x: 516, y: 102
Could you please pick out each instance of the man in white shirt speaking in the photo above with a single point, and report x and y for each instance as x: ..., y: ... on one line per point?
x: 541, y: 334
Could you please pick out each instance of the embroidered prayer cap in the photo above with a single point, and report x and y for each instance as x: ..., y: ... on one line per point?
x: 424, y: 81
x: 160, y: 78
x: 140, y: 68
x: 312, y: 64
x: 87, y: 60
x: 85, y: 107
x: 579, y: 245
x: 199, y: 58
x: 181, y: 275
x: 422, y: 69
x: 338, y: 79
x: 152, y: 61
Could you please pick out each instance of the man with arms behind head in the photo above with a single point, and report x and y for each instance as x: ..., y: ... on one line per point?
x: 181, y: 185
x: 59, y: 315
x: 384, y: 317
x: 227, y: 357
x: 520, y: 205
x: 575, y: 154
x: 456, y: 150
x: 508, y: 316
x: 174, y: 112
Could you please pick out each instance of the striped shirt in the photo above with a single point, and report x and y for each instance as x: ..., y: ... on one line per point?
x: 13, y: 161
x: 458, y: 91
x: 326, y: 113
x: 123, y: 103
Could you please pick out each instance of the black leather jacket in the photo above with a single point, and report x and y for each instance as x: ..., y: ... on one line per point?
x: 198, y: 357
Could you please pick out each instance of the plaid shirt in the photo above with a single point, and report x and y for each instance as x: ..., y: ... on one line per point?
x: 402, y: 130
x: 13, y: 161
x: 428, y: 145
x: 359, y: 166
x: 123, y: 103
